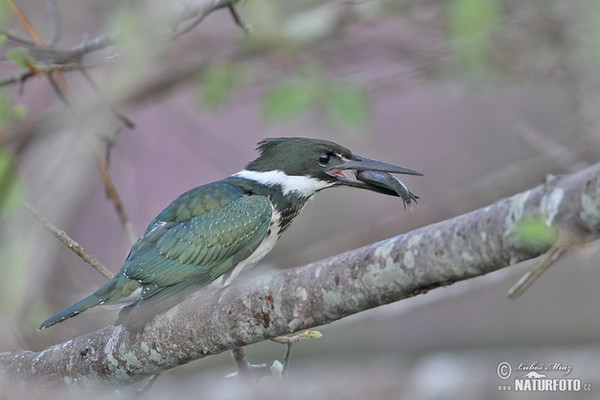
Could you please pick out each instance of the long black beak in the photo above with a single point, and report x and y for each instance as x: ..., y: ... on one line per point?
x: 361, y: 163
x: 375, y: 175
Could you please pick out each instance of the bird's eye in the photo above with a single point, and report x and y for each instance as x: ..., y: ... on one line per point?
x: 325, y: 158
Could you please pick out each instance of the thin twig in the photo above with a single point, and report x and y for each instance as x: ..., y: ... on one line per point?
x: 286, y: 359
x: 148, y: 385
x: 562, y: 245
x: 37, y: 39
x: 126, y: 121
x: 71, y: 244
x: 545, y: 144
x: 289, y: 342
x: 61, y: 87
x: 239, y: 20
x: 57, y: 89
x: 112, y: 192
x: 201, y: 13
x: 53, y: 16
x: 12, y: 37
x: 58, y: 81
x: 16, y: 78
x: 24, y: 75
x: 90, y: 45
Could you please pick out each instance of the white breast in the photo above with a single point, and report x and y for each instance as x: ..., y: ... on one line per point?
x: 263, y: 249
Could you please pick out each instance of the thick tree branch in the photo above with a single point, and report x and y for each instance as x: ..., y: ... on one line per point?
x: 281, y: 302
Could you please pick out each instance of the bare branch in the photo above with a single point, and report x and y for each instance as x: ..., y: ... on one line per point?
x: 561, y: 247
x: 126, y: 121
x: 59, y: 88
x: 238, y: 19
x: 24, y: 75
x: 565, y: 158
x: 87, y: 46
x: 56, y: 58
x: 71, y: 244
x: 195, y: 15
x: 281, y: 302
x: 19, y: 77
x: 112, y: 191
x: 53, y: 16
x: 57, y: 80
x: 37, y: 39
x: 289, y: 342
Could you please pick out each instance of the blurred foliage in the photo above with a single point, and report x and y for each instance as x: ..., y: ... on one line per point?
x: 139, y: 35
x: 3, y: 12
x: 22, y: 57
x: 14, y: 253
x: 594, y: 19
x: 288, y: 99
x: 265, y: 19
x: 349, y: 105
x: 346, y: 104
x: 9, y: 113
x: 277, y: 27
x: 11, y: 190
x: 535, y: 232
x: 471, y: 24
x: 217, y: 83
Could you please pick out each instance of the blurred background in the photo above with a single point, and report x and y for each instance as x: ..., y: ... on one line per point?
x: 485, y: 97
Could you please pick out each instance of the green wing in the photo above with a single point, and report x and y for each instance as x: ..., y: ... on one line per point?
x: 203, y: 247
x: 191, y: 244
x: 206, y: 245
x: 199, y: 237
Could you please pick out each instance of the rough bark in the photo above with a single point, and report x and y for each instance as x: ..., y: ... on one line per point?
x: 282, y: 302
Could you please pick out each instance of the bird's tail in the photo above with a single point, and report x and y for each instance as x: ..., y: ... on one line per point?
x: 71, y: 311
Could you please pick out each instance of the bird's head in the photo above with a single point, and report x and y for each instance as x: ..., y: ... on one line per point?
x: 305, y: 166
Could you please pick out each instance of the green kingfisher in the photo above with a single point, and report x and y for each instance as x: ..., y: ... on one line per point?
x: 215, y: 230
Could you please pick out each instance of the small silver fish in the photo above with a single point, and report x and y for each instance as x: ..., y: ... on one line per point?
x: 387, y: 183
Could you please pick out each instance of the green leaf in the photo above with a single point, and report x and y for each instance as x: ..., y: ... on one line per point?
x: 22, y: 57
x: 535, y: 232
x: 471, y: 24
x: 313, y: 334
x: 4, y: 108
x: 8, y: 113
x: 349, y: 105
x: 288, y: 100
x: 3, y: 12
x: 217, y: 83
x: 18, y: 112
x: 3, y: 39
x: 11, y: 190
